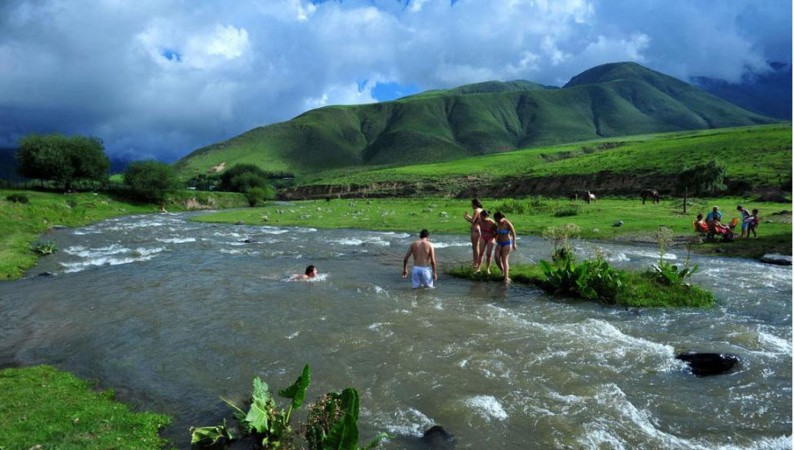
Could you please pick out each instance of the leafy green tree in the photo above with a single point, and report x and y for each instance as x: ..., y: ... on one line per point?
x: 242, y: 177
x: 62, y: 159
x: 151, y: 180
x: 248, y: 179
x: 702, y: 179
x: 707, y: 178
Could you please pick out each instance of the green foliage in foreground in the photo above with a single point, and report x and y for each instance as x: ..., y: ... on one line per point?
x: 332, y: 423
x: 41, y: 407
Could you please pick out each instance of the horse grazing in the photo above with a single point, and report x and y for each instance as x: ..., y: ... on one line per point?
x: 653, y: 194
x: 589, y: 197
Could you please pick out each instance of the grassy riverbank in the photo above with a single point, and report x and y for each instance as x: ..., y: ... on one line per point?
x: 41, y: 407
x: 531, y: 216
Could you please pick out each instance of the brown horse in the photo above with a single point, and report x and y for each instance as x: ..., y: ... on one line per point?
x: 653, y: 194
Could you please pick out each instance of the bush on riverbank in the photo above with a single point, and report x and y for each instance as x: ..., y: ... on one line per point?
x: 41, y: 407
x: 664, y: 284
x: 637, y: 289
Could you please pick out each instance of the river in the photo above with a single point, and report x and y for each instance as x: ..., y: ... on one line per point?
x: 174, y: 314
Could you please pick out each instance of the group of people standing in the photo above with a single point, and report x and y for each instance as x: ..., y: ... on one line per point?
x: 712, y: 224
x: 490, y: 236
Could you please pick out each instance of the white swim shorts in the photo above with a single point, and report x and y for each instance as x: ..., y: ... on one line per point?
x: 422, y: 276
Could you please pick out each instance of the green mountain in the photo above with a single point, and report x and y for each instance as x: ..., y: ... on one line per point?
x: 485, y: 118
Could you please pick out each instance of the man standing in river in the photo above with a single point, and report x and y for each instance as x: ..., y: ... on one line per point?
x: 424, y: 270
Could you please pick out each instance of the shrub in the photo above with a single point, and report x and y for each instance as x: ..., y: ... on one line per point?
x: 667, y: 273
x: 511, y: 207
x: 332, y: 420
x: 18, y: 198
x: 567, y: 212
x: 45, y: 248
x: 561, y: 236
x: 590, y: 279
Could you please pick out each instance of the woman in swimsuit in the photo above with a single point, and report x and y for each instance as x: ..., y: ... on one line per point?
x: 476, y: 207
x: 504, y: 243
x: 487, y: 239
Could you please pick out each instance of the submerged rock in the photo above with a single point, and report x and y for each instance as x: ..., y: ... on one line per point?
x: 774, y: 258
x: 705, y: 364
x: 437, y: 437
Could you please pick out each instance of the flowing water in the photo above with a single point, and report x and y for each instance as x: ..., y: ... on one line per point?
x: 174, y: 314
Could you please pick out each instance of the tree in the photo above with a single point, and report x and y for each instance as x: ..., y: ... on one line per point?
x: 151, y: 180
x: 707, y: 178
x: 248, y: 179
x: 62, y: 159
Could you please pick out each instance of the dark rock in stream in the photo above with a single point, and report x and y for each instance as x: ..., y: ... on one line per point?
x: 705, y: 364
x: 437, y: 437
x: 46, y: 274
x: 774, y: 258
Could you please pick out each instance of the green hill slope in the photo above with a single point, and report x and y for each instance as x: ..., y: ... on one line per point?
x: 758, y: 159
x: 484, y: 118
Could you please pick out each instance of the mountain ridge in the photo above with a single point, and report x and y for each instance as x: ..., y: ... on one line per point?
x: 483, y: 118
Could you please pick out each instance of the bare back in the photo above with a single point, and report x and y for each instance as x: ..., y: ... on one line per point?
x: 423, y: 253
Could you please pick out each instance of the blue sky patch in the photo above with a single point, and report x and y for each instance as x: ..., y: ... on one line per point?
x: 171, y: 55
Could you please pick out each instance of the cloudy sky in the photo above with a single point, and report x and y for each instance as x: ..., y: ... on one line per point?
x: 161, y: 78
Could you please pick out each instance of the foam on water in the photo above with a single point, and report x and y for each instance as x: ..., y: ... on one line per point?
x: 486, y: 406
x: 99, y: 258
x: 175, y: 240
x: 621, y: 425
x: 365, y: 241
x: 438, y: 245
x: 84, y: 252
x: 408, y: 422
x: 774, y: 344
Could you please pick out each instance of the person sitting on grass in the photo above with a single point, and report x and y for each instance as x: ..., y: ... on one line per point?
x: 700, y: 225
x: 711, y: 218
x: 723, y: 230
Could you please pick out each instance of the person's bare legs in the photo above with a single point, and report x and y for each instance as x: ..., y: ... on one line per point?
x: 505, y: 257
x: 475, y: 250
x: 488, y: 252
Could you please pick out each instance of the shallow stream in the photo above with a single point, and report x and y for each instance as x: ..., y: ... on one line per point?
x: 174, y: 314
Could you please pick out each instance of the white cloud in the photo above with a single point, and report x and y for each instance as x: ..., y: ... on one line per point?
x: 155, y: 77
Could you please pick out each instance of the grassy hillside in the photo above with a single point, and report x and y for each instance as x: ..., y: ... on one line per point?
x: 755, y: 156
x: 485, y: 118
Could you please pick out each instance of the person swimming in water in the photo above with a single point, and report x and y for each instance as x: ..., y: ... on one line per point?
x: 311, y: 272
x: 504, y: 243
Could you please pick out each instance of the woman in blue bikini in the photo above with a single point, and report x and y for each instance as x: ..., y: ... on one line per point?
x: 504, y: 232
